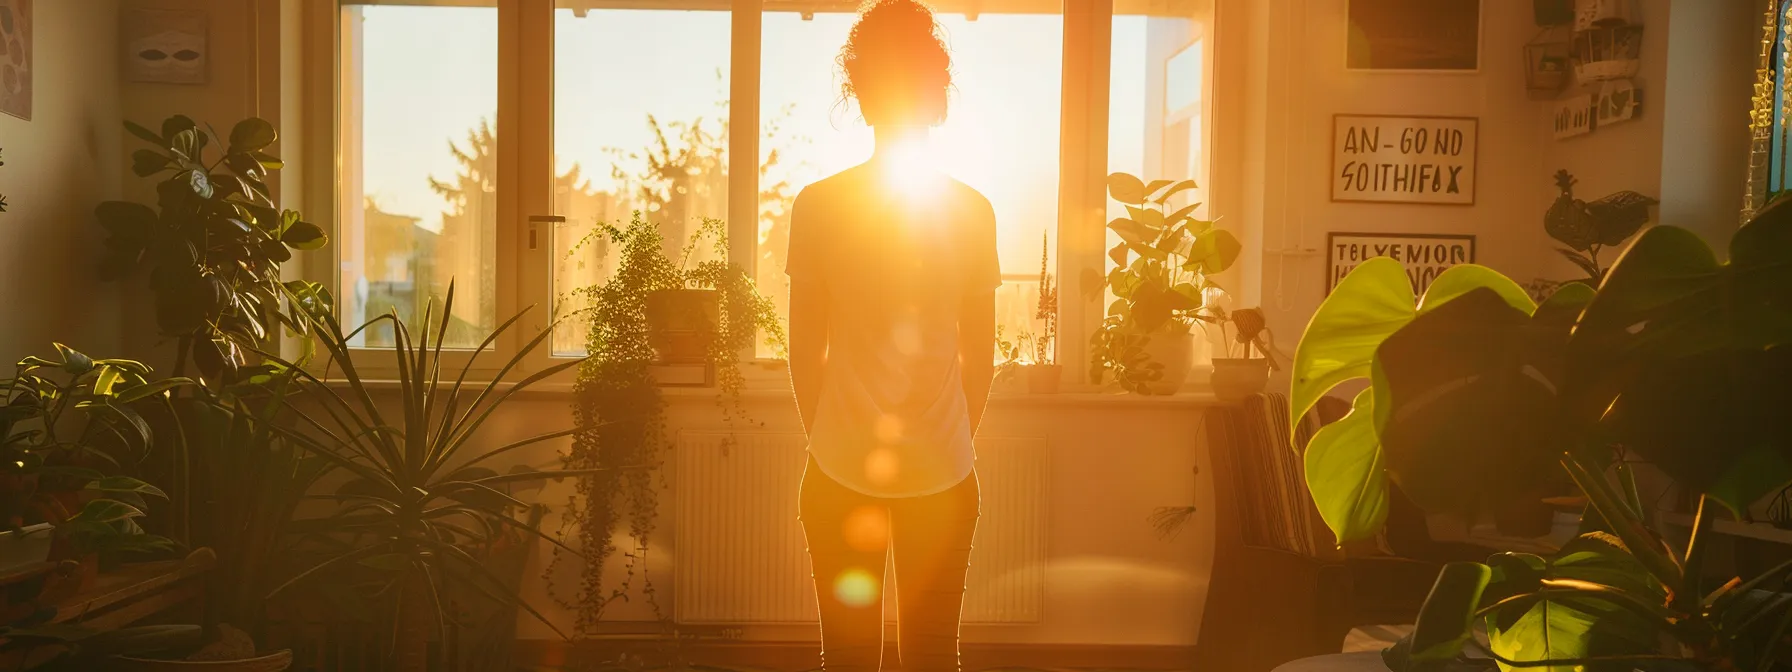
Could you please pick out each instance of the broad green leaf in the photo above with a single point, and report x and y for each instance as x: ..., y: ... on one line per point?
x: 1151, y: 189
x: 1126, y: 188
x: 1471, y: 415
x: 304, y: 236
x: 1345, y: 476
x: 1172, y: 191
x: 145, y: 134
x: 252, y: 134
x: 102, y: 383
x: 175, y: 124
x: 140, y: 392
x: 1213, y: 251
x: 1541, y: 630
x: 73, y: 361
x: 1463, y: 278
x: 1151, y: 219
x: 147, y: 162
x: 1674, y: 331
x: 1366, y: 307
x: 1446, y: 620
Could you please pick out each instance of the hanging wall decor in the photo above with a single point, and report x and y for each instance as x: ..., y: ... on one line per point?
x: 1425, y: 255
x: 1573, y: 117
x: 15, y: 58
x: 1390, y: 159
x: 1414, y: 35
x: 164, y: 46
x: 1548, y: 59
x: 1617, y: 101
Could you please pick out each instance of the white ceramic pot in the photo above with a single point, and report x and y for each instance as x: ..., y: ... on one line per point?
x: 1235, y: 379
x: 1174, y: 348
x: 28, y: 545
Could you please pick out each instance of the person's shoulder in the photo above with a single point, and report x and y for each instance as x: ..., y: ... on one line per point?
x: 968, y: 200
x: 825, y: 190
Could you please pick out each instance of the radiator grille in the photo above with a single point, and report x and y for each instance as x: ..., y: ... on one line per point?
x: 740, y: 557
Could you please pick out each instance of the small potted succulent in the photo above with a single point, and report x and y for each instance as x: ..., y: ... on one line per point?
x: 1236, y: 377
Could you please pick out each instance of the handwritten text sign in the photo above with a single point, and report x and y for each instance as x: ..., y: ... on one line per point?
x: 1404, y: 159
x: 1425, y: 255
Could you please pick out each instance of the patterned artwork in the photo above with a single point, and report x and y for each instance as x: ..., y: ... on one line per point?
x: 15, y: 58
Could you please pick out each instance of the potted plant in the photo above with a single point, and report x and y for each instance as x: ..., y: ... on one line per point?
x: 215, y: 247
x: 1009, y: 375
x: 634, y: 321
x: 1235, y: 378
x: 1044, y: 373
x: 67, y: 427
x: 412, y: 508
x: 1163, y: 261
x: 1477, y: 391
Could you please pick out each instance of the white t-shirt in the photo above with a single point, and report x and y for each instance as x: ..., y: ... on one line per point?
x: 892, y: 419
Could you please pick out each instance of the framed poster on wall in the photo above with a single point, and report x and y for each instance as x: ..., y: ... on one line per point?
x: 1426, y: 255
x: 1414, y: 36
x: 1388, y: 159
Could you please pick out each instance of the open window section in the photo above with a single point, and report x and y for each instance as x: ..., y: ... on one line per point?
x: 418, y: 205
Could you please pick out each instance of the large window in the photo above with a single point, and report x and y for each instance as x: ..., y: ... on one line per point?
x: 1157, y: 104
x: 417, y: 210
x: 461, y: 160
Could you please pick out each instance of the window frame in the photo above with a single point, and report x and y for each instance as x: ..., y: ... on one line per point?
x: 525, y: 100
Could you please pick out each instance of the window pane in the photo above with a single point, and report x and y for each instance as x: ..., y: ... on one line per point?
x: 1156, y: 112
x: 1000, y: 135
x: 419, y: 97
x: 640, y: 124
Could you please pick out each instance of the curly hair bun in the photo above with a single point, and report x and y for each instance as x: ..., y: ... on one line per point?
x: 896, y: 64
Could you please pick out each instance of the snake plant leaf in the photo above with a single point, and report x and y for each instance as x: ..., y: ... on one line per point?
x: 1366, y: 307
x: 1345, y: 475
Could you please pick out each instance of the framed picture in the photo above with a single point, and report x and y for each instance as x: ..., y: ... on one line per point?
x: 1414, y: 35
x: 15, y: 58
x: 1394, y: 159
x: 1426, y: 255
x: 164, y: 46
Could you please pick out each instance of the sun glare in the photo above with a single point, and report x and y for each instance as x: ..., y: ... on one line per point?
x: 911, y: 168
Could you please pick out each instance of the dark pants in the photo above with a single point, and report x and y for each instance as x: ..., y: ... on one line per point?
x: 849, y: 535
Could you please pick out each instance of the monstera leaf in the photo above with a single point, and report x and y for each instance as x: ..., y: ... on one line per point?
x: 1466, y: 399
x: 1692, y: 349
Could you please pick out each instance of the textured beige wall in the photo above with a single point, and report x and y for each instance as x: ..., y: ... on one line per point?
x: 58, y: 166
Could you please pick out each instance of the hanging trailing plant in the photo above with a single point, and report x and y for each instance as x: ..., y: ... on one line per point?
x: 617, y: 403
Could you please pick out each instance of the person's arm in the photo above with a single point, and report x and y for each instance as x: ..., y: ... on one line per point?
x: 977, y: 316
x: 808, y: 311
x: 977, y: 351
x: 808, y: 345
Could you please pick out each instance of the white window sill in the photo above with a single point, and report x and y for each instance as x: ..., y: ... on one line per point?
x: 1190, y: 397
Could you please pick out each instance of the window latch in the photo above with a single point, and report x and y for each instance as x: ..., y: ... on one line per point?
x: 534, y: 221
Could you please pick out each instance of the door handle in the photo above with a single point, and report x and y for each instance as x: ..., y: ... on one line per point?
x: 535, y: 221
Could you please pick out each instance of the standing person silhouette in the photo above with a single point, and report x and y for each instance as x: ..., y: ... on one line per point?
x: 893, y: 274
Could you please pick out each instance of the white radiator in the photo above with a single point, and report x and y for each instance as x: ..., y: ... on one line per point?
x: 739, y: 554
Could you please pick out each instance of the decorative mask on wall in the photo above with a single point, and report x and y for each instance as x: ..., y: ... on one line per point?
x: 166, y: 47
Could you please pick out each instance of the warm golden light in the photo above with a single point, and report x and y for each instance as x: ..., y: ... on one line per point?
x: 867, y: 529
x: 909, y: 169
x: 881, y: 464
x: 856, y: 588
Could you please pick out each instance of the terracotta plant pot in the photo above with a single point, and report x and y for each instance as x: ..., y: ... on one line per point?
x: 1174, y: 347
x: 1044, y: 378
x: 680, y: 323
x: 1235, y: 379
